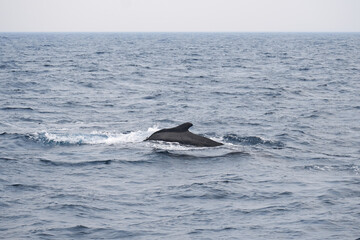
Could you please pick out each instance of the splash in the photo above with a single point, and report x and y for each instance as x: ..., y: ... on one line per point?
x: 92, y: 138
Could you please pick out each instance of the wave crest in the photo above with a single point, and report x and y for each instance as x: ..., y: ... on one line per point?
x: 90, y: 138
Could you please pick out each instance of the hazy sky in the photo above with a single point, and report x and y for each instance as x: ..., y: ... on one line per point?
x: 180, y: 15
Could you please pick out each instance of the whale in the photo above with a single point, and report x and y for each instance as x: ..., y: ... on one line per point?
x: 182, y: 135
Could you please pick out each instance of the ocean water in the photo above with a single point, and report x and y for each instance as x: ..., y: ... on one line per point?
x: 75, y: 109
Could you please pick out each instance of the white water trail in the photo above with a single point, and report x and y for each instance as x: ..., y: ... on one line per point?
x: 93, y: 138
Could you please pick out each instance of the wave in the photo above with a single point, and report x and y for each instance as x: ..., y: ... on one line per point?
x: 79, y: 231
x: 93, y: 138
x: 252, y: 140
x: 81, y: 164
x: 201, y: 153
x: 75, y: 164
x: 7, y: 159
x: 351, y: 168
x: 17, y: 109
x: 24, y: 187
x: 12, y: 135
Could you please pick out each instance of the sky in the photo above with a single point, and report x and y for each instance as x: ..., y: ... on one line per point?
x: 179, y: 15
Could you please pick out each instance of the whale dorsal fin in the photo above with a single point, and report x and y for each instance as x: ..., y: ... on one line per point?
x: 181, y: 128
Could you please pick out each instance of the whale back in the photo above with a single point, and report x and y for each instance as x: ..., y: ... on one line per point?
x: 182, y: 135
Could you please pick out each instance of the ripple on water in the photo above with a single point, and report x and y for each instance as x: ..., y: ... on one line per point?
x: 74, y: 114
x: 81, y: 231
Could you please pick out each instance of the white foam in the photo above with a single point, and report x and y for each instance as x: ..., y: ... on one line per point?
x: 94, y: 137
x: 170, y: 146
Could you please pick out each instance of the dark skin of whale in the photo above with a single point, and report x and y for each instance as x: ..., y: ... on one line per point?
x: 182, y: 135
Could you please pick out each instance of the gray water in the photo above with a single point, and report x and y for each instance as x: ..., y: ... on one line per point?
x: 75, y: 109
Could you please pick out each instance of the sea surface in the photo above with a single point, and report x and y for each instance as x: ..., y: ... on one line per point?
x: 76, y: 107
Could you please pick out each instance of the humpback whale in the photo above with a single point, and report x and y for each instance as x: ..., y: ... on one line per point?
x: 182, y: 135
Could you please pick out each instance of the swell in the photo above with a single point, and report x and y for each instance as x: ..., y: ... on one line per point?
x: 349, y: 168
x: 75, y: 164
x: 252, y: 141
x: 7, y: 135
x: 201, y: 154
x: 91, y: 163
x: 224, y: 189
x: 80, y: 231
x: 17, y: 109
x: 24, y: 187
